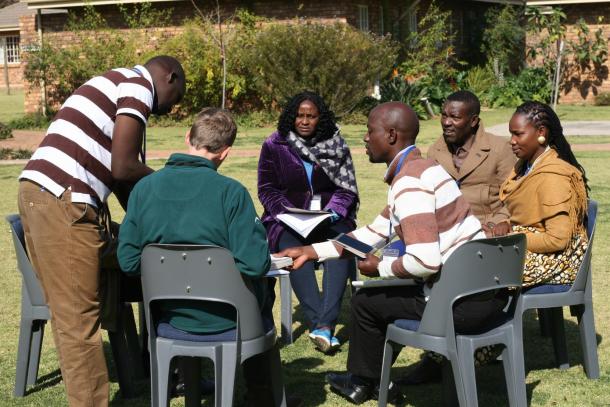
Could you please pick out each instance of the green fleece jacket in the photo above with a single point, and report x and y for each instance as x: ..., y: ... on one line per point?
x: 188, y: 201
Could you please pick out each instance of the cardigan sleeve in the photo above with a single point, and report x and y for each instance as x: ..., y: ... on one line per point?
x: 554, y: 198
x: 269, y: 190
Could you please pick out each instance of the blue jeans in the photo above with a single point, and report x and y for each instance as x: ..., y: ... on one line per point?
x: 320, y: 310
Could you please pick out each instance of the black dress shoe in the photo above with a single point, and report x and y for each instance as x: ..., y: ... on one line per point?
x: 394, y: 394
x: 345, y: 385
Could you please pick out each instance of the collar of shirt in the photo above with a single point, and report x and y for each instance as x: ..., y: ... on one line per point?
x: 188, y: 160
x: 459, y: 154
x: 144, y: 72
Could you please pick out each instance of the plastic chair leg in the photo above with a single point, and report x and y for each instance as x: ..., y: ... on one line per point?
x: 466, y: 366
x: 35, y: 348
x: 23, y: 356
x: 515, y: 376
x: 229, y: 367
x: 588, y: 341
x: 286, y: 308
x: 159, y: 371
x: 384, y: 383
x: 558, y: 336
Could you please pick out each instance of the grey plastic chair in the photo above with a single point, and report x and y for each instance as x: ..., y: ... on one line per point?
x: 35, y: 313
x: 475, y: 267
x: 550, y: 299
x: 286, y: 304
x: 204, y: 273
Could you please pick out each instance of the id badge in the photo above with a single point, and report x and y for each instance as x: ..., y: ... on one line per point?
x: 389, y: 254
x: 316, y: 203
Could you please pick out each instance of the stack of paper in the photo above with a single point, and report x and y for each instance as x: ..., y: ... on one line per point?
x: 280, y: 262
x: 303, y: 221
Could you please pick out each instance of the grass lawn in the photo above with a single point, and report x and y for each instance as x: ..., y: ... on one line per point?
x: 304, y: 368
x: 11, y: 106
x: 172, y: 138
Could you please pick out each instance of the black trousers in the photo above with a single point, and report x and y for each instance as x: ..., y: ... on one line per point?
x: 372, y: 309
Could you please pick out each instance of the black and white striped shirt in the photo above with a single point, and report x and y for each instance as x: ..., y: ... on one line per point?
x: 76, y: 151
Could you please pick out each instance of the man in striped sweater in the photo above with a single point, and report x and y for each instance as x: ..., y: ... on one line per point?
x: 90, y: 150
x: 427, y: 211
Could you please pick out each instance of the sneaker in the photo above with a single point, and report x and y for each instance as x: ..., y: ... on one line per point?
x: 334, y: 343
x: 322, y: 339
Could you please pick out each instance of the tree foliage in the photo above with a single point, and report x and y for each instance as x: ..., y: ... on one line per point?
x: 337, y: 61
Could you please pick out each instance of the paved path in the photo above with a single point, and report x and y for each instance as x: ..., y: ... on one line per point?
x: 577, y: 128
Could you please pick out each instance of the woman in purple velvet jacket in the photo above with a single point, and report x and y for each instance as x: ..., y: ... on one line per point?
x: 307, y: 164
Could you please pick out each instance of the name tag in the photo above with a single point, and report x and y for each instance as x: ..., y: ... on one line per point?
x: 390, y: 254
x: 316, y: 203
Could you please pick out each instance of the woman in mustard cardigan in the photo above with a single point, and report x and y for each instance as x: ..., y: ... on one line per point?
x: 546, y: 196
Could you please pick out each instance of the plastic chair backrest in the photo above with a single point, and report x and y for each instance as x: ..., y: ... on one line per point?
x: 199, y: 272
x: 474, y: 267
x: 32, y: 284
x: 583, y: 272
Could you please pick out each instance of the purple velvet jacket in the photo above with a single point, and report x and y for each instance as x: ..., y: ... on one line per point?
x: 282, y: 180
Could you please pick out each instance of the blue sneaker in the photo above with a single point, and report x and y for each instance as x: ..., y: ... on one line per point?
x: 322, y: 339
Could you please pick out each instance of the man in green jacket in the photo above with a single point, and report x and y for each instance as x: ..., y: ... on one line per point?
x: 188, y: 201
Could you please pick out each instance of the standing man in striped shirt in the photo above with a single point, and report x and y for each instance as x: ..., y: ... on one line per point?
x: 91, y: 149
x: 427, y: 211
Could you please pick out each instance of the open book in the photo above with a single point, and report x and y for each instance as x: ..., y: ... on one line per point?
x: 360, y: 249
x: 303, y: 221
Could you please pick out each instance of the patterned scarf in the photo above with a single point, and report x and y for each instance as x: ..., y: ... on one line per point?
x: 332, y: 155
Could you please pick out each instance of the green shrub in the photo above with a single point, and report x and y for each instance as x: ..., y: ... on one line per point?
x: 5, y: 132
x: 10, y: 154
x: 337, y: 61
x: 479, y: 80
x: 399, y: 89
x: 530, y: 84
x: 29, y: 121
x: 602, y: 99
x: 258, y: 118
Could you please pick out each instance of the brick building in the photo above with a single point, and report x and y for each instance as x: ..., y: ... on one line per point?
x: 583, y: 89
x: 379, y: 16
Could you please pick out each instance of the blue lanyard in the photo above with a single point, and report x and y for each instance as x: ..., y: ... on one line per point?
x: 396, y: 171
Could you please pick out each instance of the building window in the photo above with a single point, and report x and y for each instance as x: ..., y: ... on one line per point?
x: 363, y: 18
x: 10, y: 48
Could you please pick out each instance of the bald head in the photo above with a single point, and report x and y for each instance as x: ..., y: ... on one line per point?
x: 169, y: 82
x: 391, y: 127
x: 401, y: 118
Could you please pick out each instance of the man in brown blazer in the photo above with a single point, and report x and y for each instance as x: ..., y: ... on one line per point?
x: 479, y: 162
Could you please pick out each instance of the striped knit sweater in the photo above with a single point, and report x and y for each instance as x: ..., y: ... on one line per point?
x: 427, y: 211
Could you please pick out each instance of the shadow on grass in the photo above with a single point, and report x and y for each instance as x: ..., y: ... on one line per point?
x: 48, y: 380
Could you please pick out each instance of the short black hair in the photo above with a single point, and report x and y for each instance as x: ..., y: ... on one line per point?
x: 326, y: 127
x: 469, y: 98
